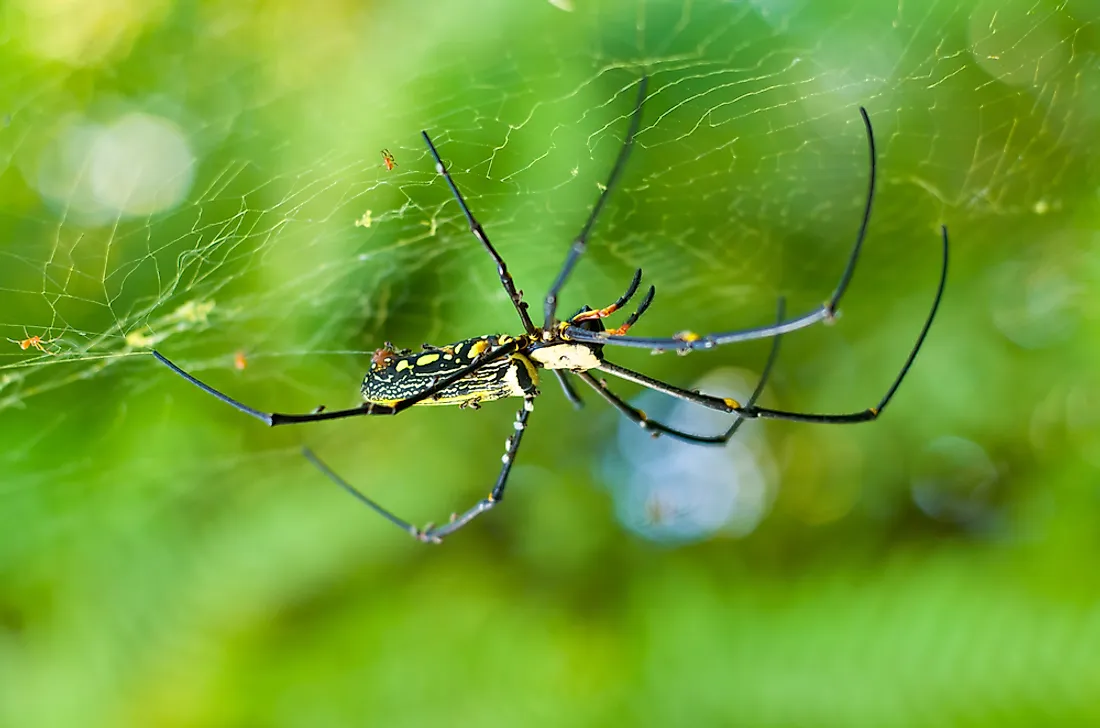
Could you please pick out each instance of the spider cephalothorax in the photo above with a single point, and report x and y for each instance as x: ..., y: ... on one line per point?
x: 486, y: 368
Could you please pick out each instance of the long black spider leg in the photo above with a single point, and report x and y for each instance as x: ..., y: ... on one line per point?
x: 374, y: 506
x: 730, y: 405
x: 638, y: 417
x: 581, y: 241
x: 689, y: 341
x: 436, y: 534
x: 479, y: 233
x: 511, y: 447
x: 273, y: 419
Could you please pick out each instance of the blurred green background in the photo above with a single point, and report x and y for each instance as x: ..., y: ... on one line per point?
x: 207, y: 178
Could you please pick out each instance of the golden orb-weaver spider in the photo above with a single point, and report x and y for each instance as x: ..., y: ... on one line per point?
x: 486, y: 368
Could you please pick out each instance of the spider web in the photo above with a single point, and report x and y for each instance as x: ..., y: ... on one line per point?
x: 228, y: 202
x: 209, y: 181
x: 249, y: 210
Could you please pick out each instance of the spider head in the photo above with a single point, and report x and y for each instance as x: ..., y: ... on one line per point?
x: 384, y: 357
x: 591, y: 324
x: 594, y: 325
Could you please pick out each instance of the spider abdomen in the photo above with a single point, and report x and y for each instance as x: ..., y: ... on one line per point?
x: 399, y: 374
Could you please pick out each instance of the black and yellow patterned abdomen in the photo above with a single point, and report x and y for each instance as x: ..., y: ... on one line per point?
x: 399, y: 374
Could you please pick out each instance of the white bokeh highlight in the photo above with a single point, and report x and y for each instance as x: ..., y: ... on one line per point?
x: 138, y: 165
x: 671, y: 491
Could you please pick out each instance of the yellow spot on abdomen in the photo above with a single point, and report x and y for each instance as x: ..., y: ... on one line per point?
x: 427, y: 359
x: 403, y: 365
x: 479, y: 348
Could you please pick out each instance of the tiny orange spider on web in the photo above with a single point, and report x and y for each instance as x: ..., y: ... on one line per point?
x: 35, y: 342
x: 387, y: 160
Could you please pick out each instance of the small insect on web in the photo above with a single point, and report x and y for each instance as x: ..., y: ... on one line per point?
x: 36, y: 342
x: 387, y: 160
x: 496, y: 366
